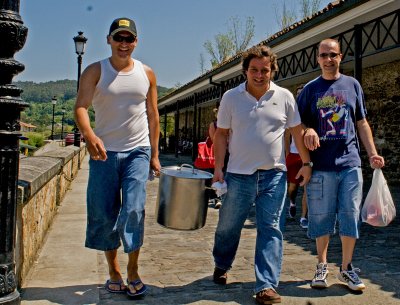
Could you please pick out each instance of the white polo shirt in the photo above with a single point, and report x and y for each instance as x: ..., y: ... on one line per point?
x: 256, y: 137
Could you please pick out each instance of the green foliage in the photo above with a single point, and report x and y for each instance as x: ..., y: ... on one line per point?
x: 170, y: 124
x: 287, y: 17
x: 286, y: 14
x: 225, y: 45
x: 162, y: 91
x: 44, y: 92
x: 309, y: 7
x: 63, y: 90
x: 220, y: 49
x: 35, y: 139
x: 240, y: 34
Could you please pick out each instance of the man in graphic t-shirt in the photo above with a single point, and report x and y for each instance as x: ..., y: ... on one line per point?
x: 332, y: 108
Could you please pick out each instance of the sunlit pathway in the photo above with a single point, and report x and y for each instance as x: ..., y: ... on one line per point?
x: 177, y: 265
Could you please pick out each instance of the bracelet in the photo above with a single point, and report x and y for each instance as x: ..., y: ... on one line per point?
x: 305, y: 131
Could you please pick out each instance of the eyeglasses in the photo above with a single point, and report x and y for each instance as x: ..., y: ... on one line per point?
x: 127, y: 39
x: 331, y: 55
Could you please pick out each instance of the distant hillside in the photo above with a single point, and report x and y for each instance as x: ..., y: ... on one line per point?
x: 62, y: 89
x: 43, y: 92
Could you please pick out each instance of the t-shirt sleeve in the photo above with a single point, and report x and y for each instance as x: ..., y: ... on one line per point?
x: 361, y: 110
x: 303, y: 107
x: 293, y: 116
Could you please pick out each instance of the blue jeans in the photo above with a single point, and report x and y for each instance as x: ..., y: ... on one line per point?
x: 267, y: 189
x: 110, y: 220
x: 334, y: 196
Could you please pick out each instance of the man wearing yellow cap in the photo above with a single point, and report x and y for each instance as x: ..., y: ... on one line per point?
x: 123, y: 147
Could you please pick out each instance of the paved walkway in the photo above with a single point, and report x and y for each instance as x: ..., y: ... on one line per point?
x: 177, y: 265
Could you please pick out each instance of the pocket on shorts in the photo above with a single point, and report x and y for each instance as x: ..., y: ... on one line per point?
x: 314, y: 188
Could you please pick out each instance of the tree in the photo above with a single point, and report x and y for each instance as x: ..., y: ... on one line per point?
x: 202, y: 63
x: 309, y: 7
x: 235, y: 40
x: 287, y: 17
x: 219, y: 50
x: 241, y: 35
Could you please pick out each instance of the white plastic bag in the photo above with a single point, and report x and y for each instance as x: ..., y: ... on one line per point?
x: 220, y: 188
x: 378, y: 209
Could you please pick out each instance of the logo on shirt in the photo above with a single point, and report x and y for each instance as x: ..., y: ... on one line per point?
x: 333, y: 115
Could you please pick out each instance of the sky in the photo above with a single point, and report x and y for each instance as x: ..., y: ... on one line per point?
x: 171, y: 33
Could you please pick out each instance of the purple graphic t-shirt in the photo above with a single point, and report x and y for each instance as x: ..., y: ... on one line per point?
x: 332, y: 108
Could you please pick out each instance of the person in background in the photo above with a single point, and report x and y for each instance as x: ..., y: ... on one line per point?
x: 122, y: 148
x: 254, y: 116
x: 332, y: 108
x: 212, y: 128
x: 293, y: 164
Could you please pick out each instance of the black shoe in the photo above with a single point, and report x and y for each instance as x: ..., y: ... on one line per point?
x: 292, y: 211
x: 220, y: 276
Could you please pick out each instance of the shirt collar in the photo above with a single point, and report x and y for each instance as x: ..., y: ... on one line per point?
x: 242, y: 87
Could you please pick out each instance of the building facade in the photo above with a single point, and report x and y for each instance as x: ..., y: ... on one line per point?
x: 369, y: 35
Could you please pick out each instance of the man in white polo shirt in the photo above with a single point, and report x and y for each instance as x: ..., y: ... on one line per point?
x: 254, y: 116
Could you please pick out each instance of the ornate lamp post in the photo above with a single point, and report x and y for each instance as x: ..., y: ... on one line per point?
x: 13, y: 36
x: 80, y: 45
x: 62, y: 123
x: 54, y: 102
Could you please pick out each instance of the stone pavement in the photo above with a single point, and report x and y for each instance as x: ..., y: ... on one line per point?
x: 177, y: 265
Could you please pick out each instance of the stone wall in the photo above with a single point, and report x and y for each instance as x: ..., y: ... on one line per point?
x: 381, y: 86
x: 43, y: 181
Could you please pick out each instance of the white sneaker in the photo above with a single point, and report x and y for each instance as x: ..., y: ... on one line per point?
x: 319, y: 280
x: 350, y: 277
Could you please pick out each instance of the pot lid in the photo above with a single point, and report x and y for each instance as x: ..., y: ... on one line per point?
x: 185, y: 171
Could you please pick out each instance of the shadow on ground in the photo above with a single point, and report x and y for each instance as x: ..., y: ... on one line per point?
x: 201, y: 291
x: 376, y: 253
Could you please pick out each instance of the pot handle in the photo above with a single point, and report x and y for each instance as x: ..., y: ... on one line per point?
x: 194, y: 172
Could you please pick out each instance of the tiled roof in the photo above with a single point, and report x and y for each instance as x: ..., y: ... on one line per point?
x: 27, y: 125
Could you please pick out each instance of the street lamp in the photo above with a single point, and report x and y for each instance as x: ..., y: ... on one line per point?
x: 80, y: 44
x: 13, y: 35
x: 54, y: 102
x: 62, y: 123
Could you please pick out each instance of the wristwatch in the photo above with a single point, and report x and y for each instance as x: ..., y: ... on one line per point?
x: 310, y: 164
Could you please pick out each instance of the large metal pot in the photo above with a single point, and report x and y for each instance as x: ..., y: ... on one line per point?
x: 181, y: 201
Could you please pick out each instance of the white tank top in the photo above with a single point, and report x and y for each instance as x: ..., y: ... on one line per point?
x: 119, y: 103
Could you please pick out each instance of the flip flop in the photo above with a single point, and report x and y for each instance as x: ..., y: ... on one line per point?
x: 138, y: 292
x: 122, y: 287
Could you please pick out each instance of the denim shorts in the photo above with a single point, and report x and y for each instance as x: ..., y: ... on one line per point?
x: 334, y: 196
x: 116, y: 197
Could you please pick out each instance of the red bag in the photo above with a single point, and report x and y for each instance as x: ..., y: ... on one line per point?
x: 205, y: 156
